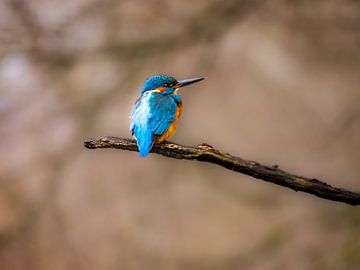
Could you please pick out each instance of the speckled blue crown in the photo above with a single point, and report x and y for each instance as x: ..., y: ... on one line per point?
x: 157, y: 81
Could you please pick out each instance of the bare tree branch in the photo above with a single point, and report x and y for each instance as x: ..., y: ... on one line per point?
x: 207, y: 153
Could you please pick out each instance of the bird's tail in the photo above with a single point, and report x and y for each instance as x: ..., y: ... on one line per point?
x: 145, y: 140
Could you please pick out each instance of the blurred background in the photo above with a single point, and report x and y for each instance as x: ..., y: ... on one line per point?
x: 282, y: 88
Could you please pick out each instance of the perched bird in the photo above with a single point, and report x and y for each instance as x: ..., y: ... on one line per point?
x: 156, y: 112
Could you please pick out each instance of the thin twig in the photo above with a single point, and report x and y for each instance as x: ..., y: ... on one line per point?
x: 207, y: 153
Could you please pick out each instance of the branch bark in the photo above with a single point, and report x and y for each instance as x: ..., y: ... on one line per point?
x: 207, y: 153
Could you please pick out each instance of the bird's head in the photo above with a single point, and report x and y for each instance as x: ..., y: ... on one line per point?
x: 166, y: 84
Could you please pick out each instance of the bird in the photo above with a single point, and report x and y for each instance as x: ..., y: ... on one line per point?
x: 156, y: 112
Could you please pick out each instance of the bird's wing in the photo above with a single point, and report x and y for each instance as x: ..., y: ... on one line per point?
x: 162, y: 113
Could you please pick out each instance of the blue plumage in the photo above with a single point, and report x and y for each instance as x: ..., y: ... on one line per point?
x: 155, y: 113
x: 162, y: 113
x: 139, y: 126
x: 152, y: 115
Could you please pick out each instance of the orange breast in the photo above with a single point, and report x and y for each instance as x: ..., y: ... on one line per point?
x: 172, y: 127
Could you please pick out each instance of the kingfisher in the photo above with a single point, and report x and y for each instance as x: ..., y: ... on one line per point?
x: 157, y: 111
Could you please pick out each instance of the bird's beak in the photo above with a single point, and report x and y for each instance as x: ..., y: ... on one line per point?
x: 188, y: 82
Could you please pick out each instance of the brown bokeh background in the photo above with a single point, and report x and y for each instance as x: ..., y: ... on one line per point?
x: 282, y: 88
